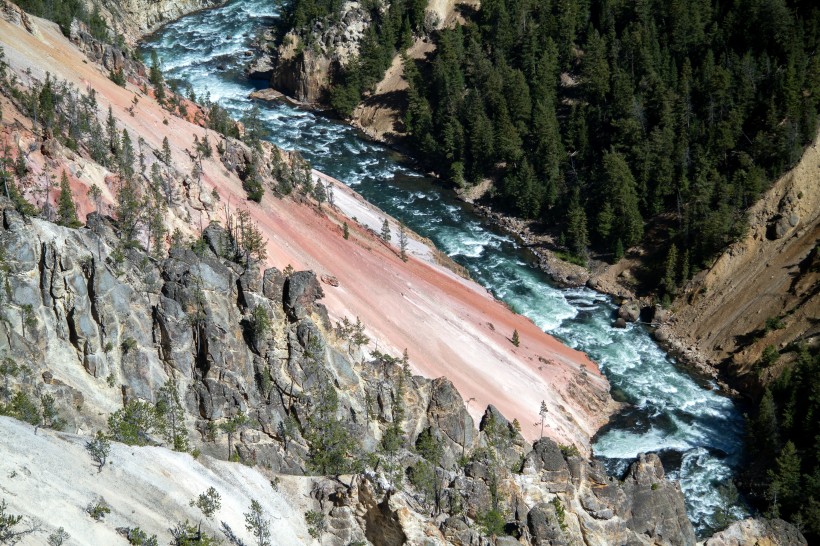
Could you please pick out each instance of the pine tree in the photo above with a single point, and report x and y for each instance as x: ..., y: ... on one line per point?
x: 126, y: 156
x: 385, y: 234
x: 155, y: 76
x: 257, y: 525
x: 171, y: 415
x: 345, y: 231
x: 784, y: 489
x: 669, y: 283
x: 231, y: 427
x: 166, y: 151
x: 621, y: 192
x: 156, y: 229
x: 577, y: 237
x: 319, y: 193
x: 113, y: 134
x: 403, y: 241
x: 516, y: 339
x: 66, y: 209
x: 129, y: 210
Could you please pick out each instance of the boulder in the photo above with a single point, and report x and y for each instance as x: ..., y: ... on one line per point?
x: 301, y: 291
x: 273, y: 284
x: 217, y: 239
x: 446, y: 412
x: 260, y: 68
x: 630, y: 311
x: 545, y: 527
x: 758, y: 531
x: 656, y: 505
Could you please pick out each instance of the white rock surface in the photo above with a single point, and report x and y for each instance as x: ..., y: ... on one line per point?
x: 50, y: 476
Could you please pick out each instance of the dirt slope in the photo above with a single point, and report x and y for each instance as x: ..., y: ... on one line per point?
x: 450, y: 326
x: 773, y: 272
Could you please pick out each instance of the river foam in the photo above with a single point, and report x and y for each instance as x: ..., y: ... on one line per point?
x: 697, y: 431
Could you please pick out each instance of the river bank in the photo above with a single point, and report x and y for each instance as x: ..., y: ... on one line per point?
x: 674, y: 412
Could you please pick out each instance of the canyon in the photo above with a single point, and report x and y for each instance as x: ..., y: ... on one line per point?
x: 102, y: 318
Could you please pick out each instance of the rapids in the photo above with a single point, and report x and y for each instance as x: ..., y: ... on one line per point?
x: 697, y: 431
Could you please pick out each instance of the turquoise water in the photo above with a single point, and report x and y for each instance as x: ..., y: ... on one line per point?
x: 697, y: 431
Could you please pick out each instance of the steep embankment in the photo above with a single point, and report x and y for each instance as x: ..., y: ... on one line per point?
x: 134, y: 19
x: 772, y: 274
x: 450, y: 326
x: 50, y: 476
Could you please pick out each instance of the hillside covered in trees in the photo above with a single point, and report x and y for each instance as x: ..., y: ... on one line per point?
x: 784, y: 445
x: 596, y: 116
x: 680, y: 108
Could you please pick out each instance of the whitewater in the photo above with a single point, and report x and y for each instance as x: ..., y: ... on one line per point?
x: 697, y: 431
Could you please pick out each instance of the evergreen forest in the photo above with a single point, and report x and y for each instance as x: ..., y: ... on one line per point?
x: 784, y: 446
x: 605, y: 119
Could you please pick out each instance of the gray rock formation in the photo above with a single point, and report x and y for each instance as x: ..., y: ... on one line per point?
x: 763, y: 532
x: 99, y: 326
x: 304, y: 63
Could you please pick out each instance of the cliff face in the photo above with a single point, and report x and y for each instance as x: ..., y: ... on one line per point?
x: 772, y: 274
x: 102, y: 326
x: 306, y: 60
x: 137, y: 18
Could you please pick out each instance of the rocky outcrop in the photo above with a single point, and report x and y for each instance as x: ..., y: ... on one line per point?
x: 111, y: 57
x: 306, y: 60
x: 135, y: 19
x: 760, y: 532
x: 102, y: 319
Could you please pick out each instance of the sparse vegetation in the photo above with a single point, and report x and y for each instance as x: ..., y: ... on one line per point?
x: 13, y: 527
x: 208, y: 502
x: 560, y: 513
x: 257, y: 525
x: 138, y: 537
x: 316, y: 523
x: 99, y: 448
x: 58, y: 537
x: 98, y: 509
x: 133, y: 424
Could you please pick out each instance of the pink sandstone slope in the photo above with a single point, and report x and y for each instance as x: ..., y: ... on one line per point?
x: 451, y: 326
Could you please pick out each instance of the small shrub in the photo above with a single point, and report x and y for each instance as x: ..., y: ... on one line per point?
x: 58, y: 537
x: 117, y: 76
x: 492, y: 523
x: 569, y: 450
x: 11, y: 531
x: 774, y: 323
x: 186, y: 534
x: 516, y: 340
x: 99, y: 448
x: 21, y: 407
x: 138, y: 537
x: 97, y: 509
x: 316, y: 523
x: 208, y: 502
x: 770, y: 356
x: 132, y: 424
x: 128, y: 345
x: 559, y: 513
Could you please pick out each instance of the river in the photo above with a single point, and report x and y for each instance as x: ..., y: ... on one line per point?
x: 697, y: 432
